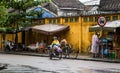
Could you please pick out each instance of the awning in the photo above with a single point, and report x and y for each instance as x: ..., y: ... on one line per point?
x: 50, y: 29
x: 109, y: 26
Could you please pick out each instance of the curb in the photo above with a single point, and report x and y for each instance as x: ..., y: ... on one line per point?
x: 85, y: 59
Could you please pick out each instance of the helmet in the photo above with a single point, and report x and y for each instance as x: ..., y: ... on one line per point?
x: 54, y: 37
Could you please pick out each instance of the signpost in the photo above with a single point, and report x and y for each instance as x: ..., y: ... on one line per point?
x: 101, y: 22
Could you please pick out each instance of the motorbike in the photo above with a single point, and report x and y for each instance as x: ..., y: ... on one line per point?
x: 55, y: 52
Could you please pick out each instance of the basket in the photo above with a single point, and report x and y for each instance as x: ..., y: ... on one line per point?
x: 112, y: 55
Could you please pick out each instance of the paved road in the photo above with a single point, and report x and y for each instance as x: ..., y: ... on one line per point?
x: 59, y: 66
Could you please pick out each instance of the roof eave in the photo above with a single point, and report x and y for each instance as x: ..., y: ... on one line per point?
x: 63, y: 8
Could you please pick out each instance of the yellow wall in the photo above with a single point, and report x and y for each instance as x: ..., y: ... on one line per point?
x: 10, y: 37
x: 78, y: 35
x: 74, y: 35
x: 86, y: 35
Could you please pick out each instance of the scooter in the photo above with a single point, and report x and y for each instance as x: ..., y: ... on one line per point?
x: 55, y: 52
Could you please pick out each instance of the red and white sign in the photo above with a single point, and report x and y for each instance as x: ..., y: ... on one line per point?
x: 101, y: 21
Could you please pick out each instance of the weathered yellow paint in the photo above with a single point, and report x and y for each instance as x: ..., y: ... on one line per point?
x: 10, y: 37
x: 78, y: 35
x: 74, y: 35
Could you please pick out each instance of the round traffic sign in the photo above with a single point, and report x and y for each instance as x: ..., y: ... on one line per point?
x: 101, y: 21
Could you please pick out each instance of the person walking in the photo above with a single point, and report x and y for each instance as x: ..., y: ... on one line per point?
x: 95, y: 45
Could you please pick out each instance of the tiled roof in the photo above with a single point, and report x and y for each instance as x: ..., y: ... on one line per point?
x: 109, y: 5
x: 69, y: 4
x: 50, y: 7
x: 88, y: 7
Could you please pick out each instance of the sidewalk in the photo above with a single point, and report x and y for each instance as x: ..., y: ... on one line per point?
x: 80, y: 56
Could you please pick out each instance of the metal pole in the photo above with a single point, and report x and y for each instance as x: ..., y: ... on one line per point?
x: 102, y: 42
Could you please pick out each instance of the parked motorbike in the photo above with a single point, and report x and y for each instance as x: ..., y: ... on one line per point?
x: 55, y: 52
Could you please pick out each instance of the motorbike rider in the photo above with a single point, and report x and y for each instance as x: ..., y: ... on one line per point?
x: 55, y: 42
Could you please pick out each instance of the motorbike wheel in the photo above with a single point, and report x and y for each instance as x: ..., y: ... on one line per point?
x: 60, y: 56
x: 51, y: 56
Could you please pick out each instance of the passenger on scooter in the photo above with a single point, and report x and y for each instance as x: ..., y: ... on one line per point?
x: 63, y: 42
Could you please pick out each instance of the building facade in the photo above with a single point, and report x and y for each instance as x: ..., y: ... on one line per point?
x: 78, y: 35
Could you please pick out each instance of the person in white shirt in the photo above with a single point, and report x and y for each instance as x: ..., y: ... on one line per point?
x: 95, y: 44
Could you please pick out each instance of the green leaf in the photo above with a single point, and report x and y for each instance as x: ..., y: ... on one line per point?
x: 3, y: 15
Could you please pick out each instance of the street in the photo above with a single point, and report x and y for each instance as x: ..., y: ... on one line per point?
x: 45, y: 65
